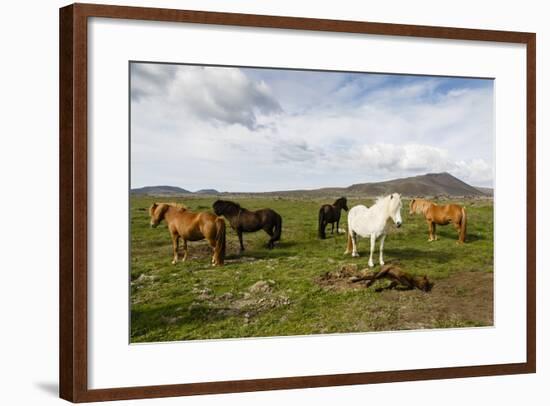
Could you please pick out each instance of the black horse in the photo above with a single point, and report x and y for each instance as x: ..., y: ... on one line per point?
x: 246, y: 221
x: 330, y: 213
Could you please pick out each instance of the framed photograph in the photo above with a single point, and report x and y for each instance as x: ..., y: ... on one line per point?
x: 255, y: 202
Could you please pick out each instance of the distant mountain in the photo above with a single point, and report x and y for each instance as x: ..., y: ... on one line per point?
x: 160, y: 191
x: 207, y: 192
x: 487, y: 190
x: 431, y: 184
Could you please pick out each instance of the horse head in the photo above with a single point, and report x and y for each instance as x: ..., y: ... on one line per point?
x: 342, y: 203
x: 395, y: 208
x: 412, y: 207
x: 225, y: 207
x: 156, y: 211
x: 423, y: 283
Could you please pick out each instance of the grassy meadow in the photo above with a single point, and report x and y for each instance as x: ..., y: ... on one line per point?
x: 279, y: 292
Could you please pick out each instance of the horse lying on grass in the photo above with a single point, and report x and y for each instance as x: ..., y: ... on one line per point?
x: 330, y: 214
x: 399, y: 279
x: 189, y: 226
x: 246, y: 221
x: 441, y: 215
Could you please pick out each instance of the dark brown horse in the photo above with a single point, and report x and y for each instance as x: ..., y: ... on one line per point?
x: 330, y: 214
x: 189, y: 226
x: 246, y: 221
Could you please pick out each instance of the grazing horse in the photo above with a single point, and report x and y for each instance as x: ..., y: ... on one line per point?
x: 372, y: 222
x: 442, y: 215
x: 183, y: 223
x: 246, y: 221
x: 330, y: 214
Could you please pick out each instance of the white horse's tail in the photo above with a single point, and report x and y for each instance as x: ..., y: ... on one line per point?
x: 462, y: 236
x: 349, y: 246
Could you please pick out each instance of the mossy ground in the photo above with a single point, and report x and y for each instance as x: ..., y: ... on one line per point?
x: 193, y: 300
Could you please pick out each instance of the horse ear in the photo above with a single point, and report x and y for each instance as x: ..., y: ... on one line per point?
x: 391, y: 196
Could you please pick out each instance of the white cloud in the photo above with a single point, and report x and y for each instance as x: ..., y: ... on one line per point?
x: 418, y: 159
x: 217, y: 95
x: 240, y: 130
x: 411, y: 157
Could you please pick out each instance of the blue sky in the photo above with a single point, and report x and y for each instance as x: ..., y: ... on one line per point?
x: 246, y: 129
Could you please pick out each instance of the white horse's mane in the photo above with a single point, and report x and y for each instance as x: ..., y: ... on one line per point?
x: 379, y: 199
x: 382, y: 199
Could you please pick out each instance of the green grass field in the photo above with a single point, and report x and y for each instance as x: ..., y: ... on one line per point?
x: 277, y: 292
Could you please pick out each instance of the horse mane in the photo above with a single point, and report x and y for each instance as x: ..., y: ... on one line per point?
x: 155, y: 206
x: 222, y: 206
x: 421, y: 205
x: 383, y: 199
x: 175, y: 205
x: 340, y: 199
x: 380, y: 199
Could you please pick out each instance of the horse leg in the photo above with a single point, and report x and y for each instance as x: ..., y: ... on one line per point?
x: 372, y: 242
x: 332, y: 228
x: 212, y: 242
x: 354, y: 252
x: 175, y: 240
x: 457, y: 228
x: 431, y: 230
x: 240, y: 234
x: 185, y: 250
x: 270, y: 231
x: 382, y: 239
x: 337, y: 226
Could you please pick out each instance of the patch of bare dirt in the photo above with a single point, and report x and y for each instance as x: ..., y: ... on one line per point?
x: 259, y: 297
x: 464, y: 299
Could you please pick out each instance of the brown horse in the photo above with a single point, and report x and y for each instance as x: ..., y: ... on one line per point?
x: 244, y: 220
x: 183, y: 223
x: 442, y: 215
x: 330, y: 214
x: 418, y: 206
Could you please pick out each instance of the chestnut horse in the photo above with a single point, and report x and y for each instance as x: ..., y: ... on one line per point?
x: 330, y: 214
x: 183, y: 223
x: 244, y: 220
x: 441, y: 215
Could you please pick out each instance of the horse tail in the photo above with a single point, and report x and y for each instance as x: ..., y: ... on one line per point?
x: 349, y: 246
x: 462, y: 237
x: 321, y: 224
x: 278, y: 228
x: 219, y: 250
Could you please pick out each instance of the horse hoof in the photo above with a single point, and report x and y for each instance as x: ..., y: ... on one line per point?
x: 174, y: 262
x: 355, y: 255
x: 371, y: 264
x: 382, y: 263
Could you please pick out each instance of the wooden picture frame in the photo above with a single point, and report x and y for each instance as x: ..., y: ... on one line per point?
x: 73, y: 199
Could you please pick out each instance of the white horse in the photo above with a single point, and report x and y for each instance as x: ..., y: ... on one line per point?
x: 372, y: 222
